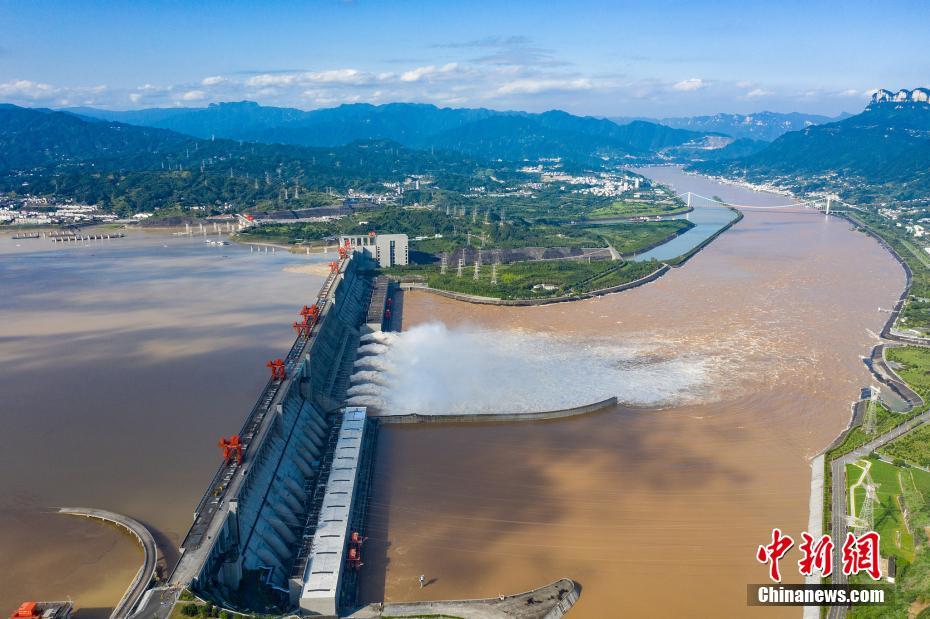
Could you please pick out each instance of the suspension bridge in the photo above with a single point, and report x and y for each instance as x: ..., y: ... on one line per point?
x: 825, y: 204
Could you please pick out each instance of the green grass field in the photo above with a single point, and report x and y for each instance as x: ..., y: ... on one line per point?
x: 623, y: 208
x: 896, y: 539
x: 916, y: 370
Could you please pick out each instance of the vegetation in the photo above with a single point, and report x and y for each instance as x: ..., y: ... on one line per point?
x: 913, y: 447
x: 902, y: 513
x: 855, y: 437
x: 902, y: 516
x: 880, y: 154
x: 529, y: 280
x: 457, y: 230
x: 623, y: 208
x: 129, y: 169
x: 914, y: 367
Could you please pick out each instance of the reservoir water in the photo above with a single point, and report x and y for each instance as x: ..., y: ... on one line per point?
x: 124, y: 361
x: 656, y: 510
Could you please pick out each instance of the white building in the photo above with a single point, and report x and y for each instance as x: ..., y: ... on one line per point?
x: 387, y: 249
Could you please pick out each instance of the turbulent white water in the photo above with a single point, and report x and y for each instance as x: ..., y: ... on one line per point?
x: 431, y: 369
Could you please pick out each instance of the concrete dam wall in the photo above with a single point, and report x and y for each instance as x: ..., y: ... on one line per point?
x: 254, y: 526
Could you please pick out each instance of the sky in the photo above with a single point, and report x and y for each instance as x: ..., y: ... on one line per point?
x: 652, y: 59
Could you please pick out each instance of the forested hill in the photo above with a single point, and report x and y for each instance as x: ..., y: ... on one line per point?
x: 130, y: 168
x: 476, y: 132
x: 886, y: 147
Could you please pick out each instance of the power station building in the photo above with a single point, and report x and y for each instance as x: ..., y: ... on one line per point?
x: 387, y: 250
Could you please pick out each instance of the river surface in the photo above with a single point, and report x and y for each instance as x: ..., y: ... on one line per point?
x: 123, y: 362
x: 657, y: 511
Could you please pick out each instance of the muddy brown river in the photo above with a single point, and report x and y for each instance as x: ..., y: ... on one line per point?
x: 657, y: 512
x: 123, y: 363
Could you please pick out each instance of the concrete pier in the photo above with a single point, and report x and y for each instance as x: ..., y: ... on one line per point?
x: 549, y: 602
x: 145, y: 574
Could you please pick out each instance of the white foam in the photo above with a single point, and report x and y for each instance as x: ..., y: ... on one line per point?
x: 436, y: 370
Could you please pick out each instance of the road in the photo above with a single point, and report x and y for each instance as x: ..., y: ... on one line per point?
x: 838, y: 498
x: 150, y: 554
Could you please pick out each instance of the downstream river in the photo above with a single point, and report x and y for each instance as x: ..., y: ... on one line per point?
x: 124, y: 361
x: 655, y: 510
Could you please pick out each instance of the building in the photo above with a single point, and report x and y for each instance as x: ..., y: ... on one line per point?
x: 387, y: 250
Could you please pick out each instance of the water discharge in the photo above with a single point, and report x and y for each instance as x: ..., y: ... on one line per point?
x: 433, y: 369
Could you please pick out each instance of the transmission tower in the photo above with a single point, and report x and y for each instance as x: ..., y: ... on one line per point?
x: 474, y: 215
x: 461, y: 264
x: 486, y: 215
x: 444, y: 265
x: 477, y: 265
x: 867, y: 517
x: 494, y: 274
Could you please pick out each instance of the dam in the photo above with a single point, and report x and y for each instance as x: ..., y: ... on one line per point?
x: 277, y: 527
x: 281, y: 526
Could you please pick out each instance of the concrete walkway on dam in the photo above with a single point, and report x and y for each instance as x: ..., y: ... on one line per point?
x: 549, y: 602
x: 145, y: 574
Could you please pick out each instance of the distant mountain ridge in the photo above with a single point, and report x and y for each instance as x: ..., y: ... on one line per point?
x: 764, y: 126
x: 476, y: 132
x: 884, y: 151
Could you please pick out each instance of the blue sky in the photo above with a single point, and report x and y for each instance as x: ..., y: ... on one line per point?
x: 659, y: 58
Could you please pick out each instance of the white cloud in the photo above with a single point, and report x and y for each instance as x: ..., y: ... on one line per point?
x: 194, y: 95
x: 755, y: 93
x: 213, y: 80
x: 339, y: 76
x: 27, y: 89
x: 850, y: 92
x: 744, y: 84
x: 533, y: 86
x: 694, y: 83
x: 415, y: 75
x: 271, y: 79
x: 135, y: 97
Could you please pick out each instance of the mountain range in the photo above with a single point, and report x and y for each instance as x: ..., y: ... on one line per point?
x: 131, y: 168
x: 885, y: 148
x: 765, y: 126
x: 477, y: 132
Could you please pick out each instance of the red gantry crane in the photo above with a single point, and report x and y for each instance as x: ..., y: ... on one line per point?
x: 231, y: 448
x: 310, y: 316
x: 277, y: 369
